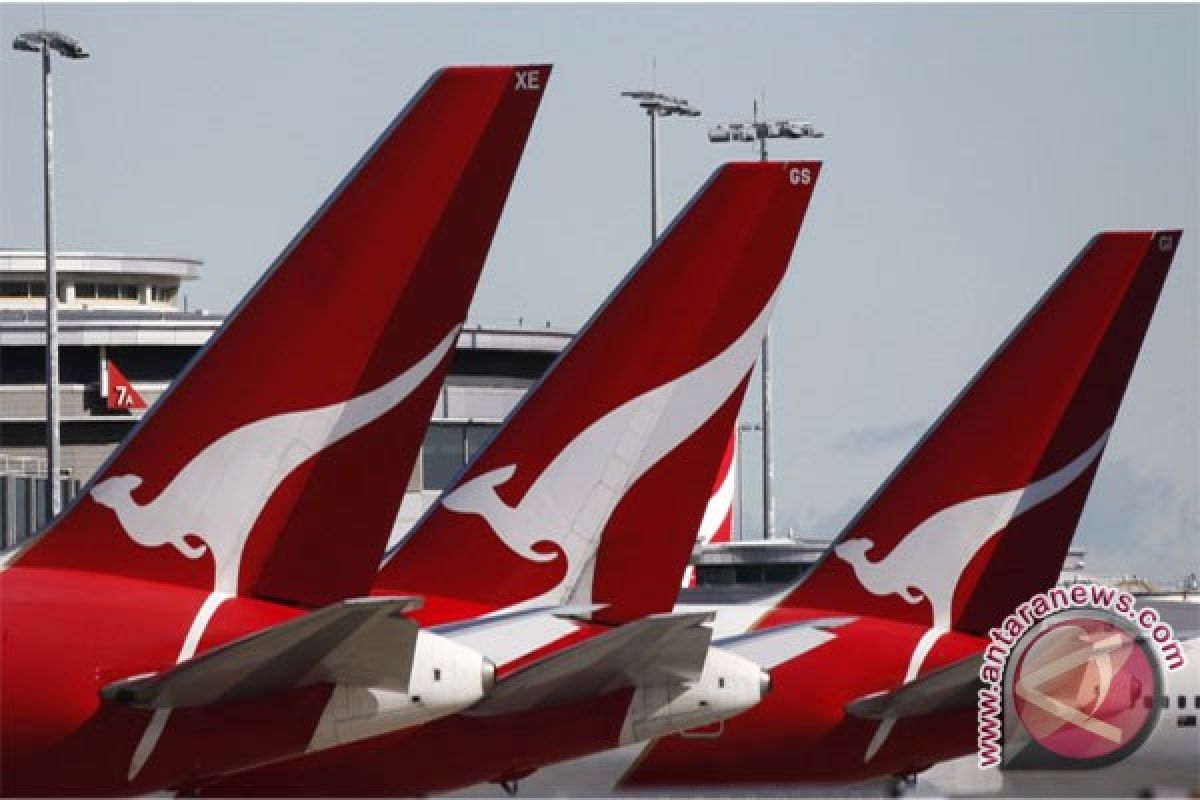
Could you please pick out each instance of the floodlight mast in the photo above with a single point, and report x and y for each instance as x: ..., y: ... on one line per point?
x: 43, y: 42
x: 760, y: 131
x: 658, y: 105
x: 738, y: 503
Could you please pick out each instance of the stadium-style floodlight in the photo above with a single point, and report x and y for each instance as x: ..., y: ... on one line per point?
x: 658, y: 105
x: 760, y: 131
x: 34, y: 41
x: 731, y: 132
x: 44, y: 42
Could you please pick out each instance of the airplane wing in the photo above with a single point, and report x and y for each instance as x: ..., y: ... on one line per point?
x: 657, y: 647
x: 953, y: 686
x: 356, y: 642
x: 770, y: 647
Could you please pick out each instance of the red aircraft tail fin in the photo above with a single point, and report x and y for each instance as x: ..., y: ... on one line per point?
x: 980, y: 514
x: 276, y: 463
x: 716, y: 526
x: 593, y: 490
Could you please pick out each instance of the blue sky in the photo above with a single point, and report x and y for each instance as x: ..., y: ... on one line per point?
x: 971, y: 152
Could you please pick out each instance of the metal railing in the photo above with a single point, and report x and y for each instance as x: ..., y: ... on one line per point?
x: 23, y: 487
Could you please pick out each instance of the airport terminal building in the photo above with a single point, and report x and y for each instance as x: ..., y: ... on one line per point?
x: 130, y: 310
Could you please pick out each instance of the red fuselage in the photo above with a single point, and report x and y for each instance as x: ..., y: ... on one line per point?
x: 67, y: 634
x: 799, y: 734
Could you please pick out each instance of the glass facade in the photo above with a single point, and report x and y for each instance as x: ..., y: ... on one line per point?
x: 164, y: 294
x: 87, y: 290
x: 448, y: 446
x: 22, y: 289
x: 754, y: 574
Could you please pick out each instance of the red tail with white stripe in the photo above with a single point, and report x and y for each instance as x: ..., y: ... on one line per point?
x: 244, y: 477
x: 980, y: 514
x: 594, y: 489
x: 716, y: 526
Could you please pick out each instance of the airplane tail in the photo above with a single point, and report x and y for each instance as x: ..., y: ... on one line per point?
x: 979, y: 515
x: 594, y: 488
x: 716, y: 526
x: 276, y: 463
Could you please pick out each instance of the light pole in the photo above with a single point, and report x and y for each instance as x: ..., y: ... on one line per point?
x: 658, y: 105
x: 760, y: 131
x: 43, y: 42
x: 737, y: 446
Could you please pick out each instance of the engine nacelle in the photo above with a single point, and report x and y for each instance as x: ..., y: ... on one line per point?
x: 728, y: 685
x: 446, y: 677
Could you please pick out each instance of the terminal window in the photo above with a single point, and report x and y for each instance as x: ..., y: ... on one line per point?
x: 448, y: 446
x: 17, y: 289
x: 163, y: 294
x: 85, y: 290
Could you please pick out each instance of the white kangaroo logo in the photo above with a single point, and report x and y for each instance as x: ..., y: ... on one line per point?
x: 218, y: 496
x: 570, y: 502
x: 950, y: 539
x: 929, y: 562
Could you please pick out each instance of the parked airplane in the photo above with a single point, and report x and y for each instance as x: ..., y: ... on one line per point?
x: 556, y: 552
x: 157, y: 629
x: 977, y: 518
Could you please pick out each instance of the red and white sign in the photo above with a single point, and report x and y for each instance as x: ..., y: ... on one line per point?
x: 121, y: 395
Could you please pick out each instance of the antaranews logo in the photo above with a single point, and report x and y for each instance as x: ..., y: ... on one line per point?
x: 1071, y: 680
